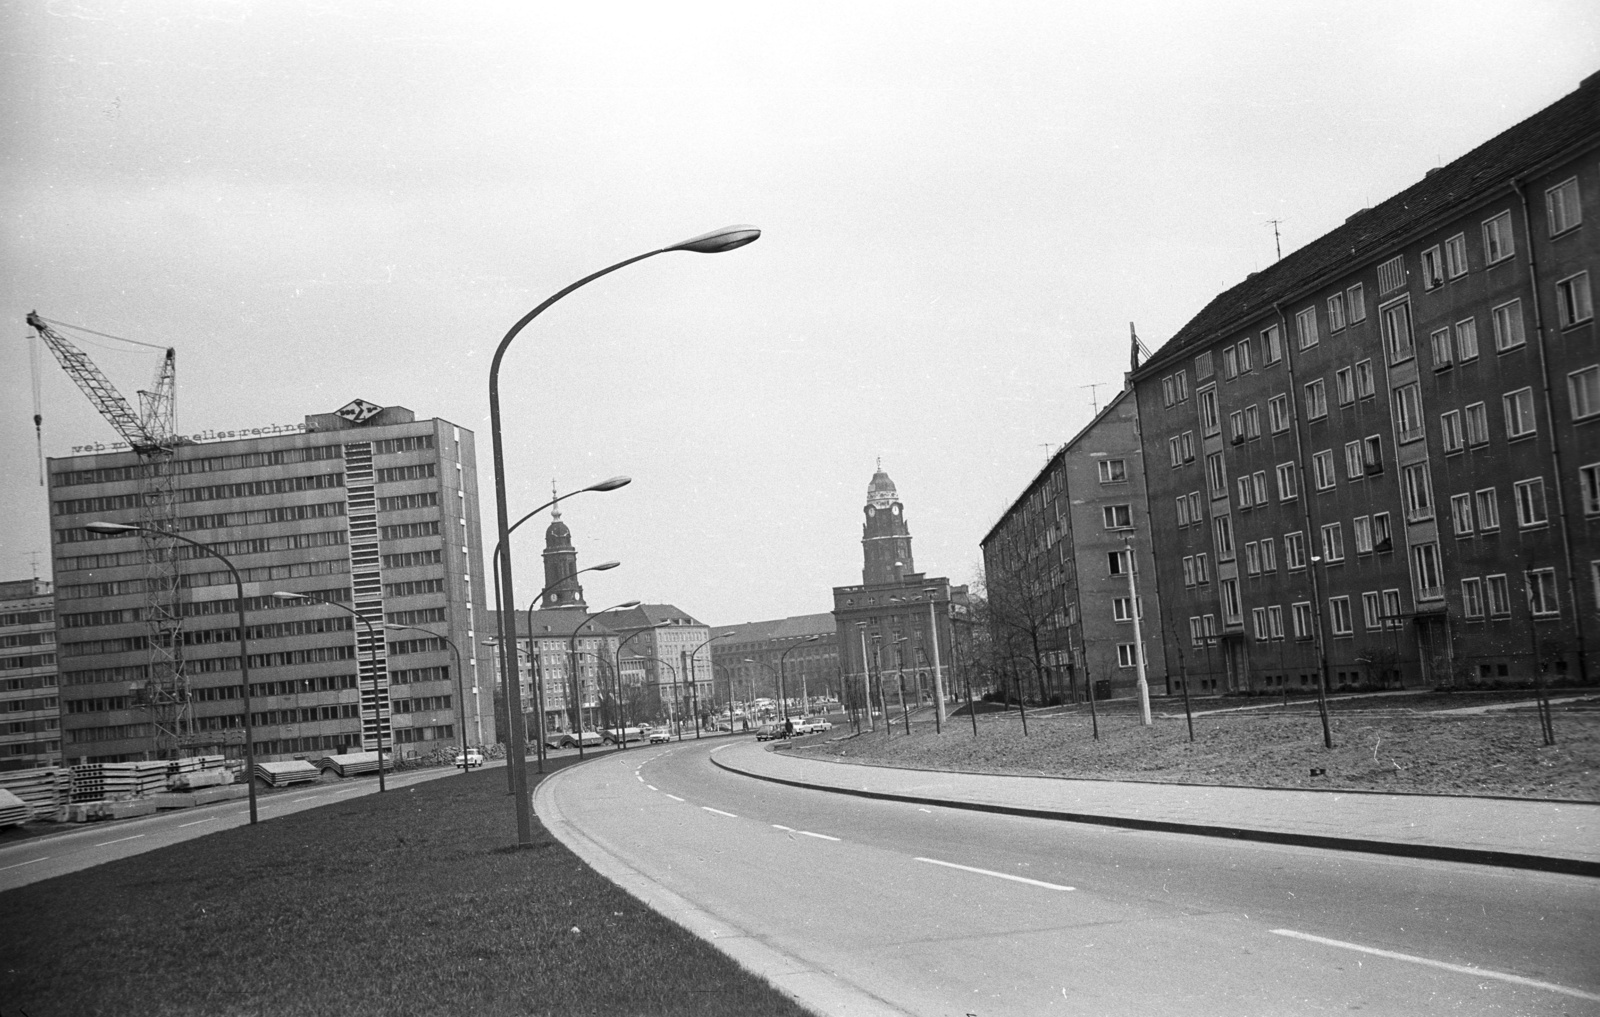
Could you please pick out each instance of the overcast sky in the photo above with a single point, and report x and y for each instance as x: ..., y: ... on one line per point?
x: 963, y: 206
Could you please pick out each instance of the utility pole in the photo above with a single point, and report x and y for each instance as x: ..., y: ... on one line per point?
x: 1138, y: 639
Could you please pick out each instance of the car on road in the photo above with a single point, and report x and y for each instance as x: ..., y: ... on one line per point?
x: 473, y: 757
x: 821, y: 724
x: 569, y: 739
x: 770, y: 732
x: 659, y: 735
x: 627, y: 735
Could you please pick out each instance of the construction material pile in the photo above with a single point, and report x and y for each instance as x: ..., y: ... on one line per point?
x: 291, y: 771
x: 93, y: 782
x: 348, y: 764
x: 13, y: 810
x: 45, y: 789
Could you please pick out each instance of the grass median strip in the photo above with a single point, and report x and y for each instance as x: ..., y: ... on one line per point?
x: 412, y: 902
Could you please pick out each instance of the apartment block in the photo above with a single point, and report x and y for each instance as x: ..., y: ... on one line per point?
x: 369, y: 511
x: 1058, y: 564
x: 1381, y: 456
x: 30, y: 710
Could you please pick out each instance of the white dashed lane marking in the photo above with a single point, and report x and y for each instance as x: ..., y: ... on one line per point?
x: 997, y: 875
x: 19, y: 865
x: 719, y: 812
x: 1429, y: 962
x: 675, y: 798
x: 119, y: 840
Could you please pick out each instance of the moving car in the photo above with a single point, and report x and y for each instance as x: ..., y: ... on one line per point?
x: 660, y: 734
x: 821, y: 724
x: 770, y: 732
x: 569, y: 739
x: 474, y: 757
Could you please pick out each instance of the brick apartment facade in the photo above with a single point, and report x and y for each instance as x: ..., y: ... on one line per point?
x: 373, y: 510
x: 1381, y: 455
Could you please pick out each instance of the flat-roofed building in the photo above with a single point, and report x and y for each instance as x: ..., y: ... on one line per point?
x: 368, y: 509
x: 30, y: 710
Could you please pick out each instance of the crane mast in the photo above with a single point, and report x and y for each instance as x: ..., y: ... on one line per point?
x: 151, y: 434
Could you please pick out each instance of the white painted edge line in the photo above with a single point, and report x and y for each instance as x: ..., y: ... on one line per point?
x: 719, y: 812
x: 19, y: 865
x: 1463, y: 969
x: 197, y: 822
x: 348, y: 791
x: 819, y: 836
x: 674, y: 797
x: 785, y: 829
x: 997, y: 875
x: 119, y: 840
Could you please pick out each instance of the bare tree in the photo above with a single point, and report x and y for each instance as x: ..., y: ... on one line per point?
x: 1024, y: 607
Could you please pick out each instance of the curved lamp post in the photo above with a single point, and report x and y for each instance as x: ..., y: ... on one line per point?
x: 536, y: 681
x: 108, y: 528
x: 694, y: 686
x: 461, y: 694
x: 372, y: 664
x: 572, y: 655
x: 776, y: 684
x: 508, y: 648
x: 671, y: 716
x: 715, y: 242
x: 783, y: 703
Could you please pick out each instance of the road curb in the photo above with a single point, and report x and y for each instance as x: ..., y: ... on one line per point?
x: 808, y: 985
x: 1431, y: 852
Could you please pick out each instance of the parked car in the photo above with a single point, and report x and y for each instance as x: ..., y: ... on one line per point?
x: 473, y: 757
x: 569, y: 739
x: 659, y: 735
x: 821, y: 724
x: 625, y: 736
x: 770, y: 732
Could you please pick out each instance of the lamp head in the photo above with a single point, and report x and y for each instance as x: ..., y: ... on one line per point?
x: 610, y: 485
x: 100, y: 526
x: 603, y: 566
x: 282, y: 595
x: 717, y: 241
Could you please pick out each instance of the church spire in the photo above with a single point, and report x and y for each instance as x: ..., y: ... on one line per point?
x: 560, y: 564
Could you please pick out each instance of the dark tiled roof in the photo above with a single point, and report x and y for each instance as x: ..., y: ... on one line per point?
x: 650, y: 616
x: 782, y: 628
x: 1482, y: 172
x: 557, y: 622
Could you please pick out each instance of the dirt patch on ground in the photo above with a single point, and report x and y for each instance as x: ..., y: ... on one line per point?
x: 1492, y: 754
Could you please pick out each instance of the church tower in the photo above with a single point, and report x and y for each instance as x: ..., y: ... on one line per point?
x: 885, y: 538
x: 560, y: 566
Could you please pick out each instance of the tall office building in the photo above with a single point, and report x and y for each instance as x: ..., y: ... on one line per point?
x: 1379, y: 459
x: 30, y: 733
x: 367, y: 509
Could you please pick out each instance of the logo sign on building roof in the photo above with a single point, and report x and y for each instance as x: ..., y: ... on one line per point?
x: 358, y: 411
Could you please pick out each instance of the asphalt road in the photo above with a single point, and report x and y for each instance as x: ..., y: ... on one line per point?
x: 941, y: 911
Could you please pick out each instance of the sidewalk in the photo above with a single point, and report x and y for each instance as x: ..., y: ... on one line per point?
x: 1546, y: 836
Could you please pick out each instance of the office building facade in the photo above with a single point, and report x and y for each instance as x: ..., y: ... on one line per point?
x: 30, y: 711
x: 367, y: 509
x: 748, y: 657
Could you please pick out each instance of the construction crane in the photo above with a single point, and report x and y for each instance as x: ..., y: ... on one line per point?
x: 151, y: 435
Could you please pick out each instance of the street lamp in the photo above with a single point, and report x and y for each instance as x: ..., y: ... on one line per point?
x: 776, y: 684
x: 536, y: 680
x: 866, y: 681
x: 938, y: 680
x: 694, y: 684
x: 783, y: 702
x: 715, y: 242
x: 461, y: 694
x: 672, y: 704
x: 572, y: 655
x: 100, y: 526
x: 372, y: 665
x: 517, y: 737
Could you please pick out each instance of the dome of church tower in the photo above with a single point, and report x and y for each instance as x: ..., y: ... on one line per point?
x: 881, y: 490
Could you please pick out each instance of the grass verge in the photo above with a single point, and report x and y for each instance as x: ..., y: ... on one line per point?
x: 1377, y: 750
x: 411, y: 902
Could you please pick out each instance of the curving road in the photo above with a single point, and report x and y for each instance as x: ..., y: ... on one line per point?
x: 861, y: 906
